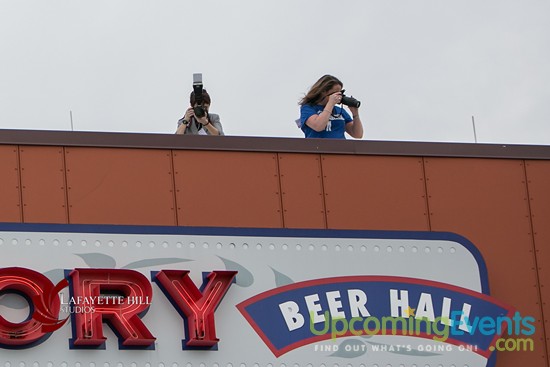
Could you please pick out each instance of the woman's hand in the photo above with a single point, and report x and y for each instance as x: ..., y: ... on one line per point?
x: 334, y: 99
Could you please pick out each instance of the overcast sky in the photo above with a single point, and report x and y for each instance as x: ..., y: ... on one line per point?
x: 422, y: 68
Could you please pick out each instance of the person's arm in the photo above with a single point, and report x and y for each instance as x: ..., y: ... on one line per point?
x: 209, y: 126
x: 184, y: 122
x: 182, y: 127
x: 215, y: 124
x: 319, y: 122
x: 355, y: 127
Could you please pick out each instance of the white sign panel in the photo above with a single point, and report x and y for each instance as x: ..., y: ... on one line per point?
x: 74, y: 295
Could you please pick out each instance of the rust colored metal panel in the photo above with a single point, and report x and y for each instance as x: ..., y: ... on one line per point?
x: 302, y: 190
x: 43, y: 184
x: 227, y: 189
x: 382, y: 193
x: 538, y: 182
x: 10, y: 195
x: 485, y: 201
x: 120, y: 186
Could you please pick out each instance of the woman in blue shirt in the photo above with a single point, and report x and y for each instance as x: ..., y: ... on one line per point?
x: 321, y: 118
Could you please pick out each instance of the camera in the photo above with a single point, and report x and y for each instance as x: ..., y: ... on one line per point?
x: 197, y: 88
x: 350, y: 101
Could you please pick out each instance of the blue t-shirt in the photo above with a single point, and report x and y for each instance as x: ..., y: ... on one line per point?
x: 336, y: 126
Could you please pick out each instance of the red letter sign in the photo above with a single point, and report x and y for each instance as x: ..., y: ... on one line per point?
x: 43, y: 300
x: 197, y: 307
x: 116, y: 295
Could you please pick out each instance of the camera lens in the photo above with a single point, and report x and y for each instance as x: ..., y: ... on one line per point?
x: 350, y: 101
x: 199, y: 111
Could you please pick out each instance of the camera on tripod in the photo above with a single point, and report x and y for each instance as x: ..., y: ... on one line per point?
x: 349, y: 101
x: 199, y: 109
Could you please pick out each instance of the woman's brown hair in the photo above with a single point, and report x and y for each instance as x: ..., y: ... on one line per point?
x: 320, y: 89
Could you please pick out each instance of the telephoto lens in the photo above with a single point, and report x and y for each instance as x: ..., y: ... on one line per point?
x: 199, y: 112
x: 350, y: 101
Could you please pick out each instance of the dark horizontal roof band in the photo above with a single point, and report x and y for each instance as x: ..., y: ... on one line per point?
x: 268, y: 144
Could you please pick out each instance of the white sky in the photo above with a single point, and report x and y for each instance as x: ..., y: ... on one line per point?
x: 421, y: 68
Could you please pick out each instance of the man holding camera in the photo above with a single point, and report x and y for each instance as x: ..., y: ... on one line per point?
x: 197, y: 119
